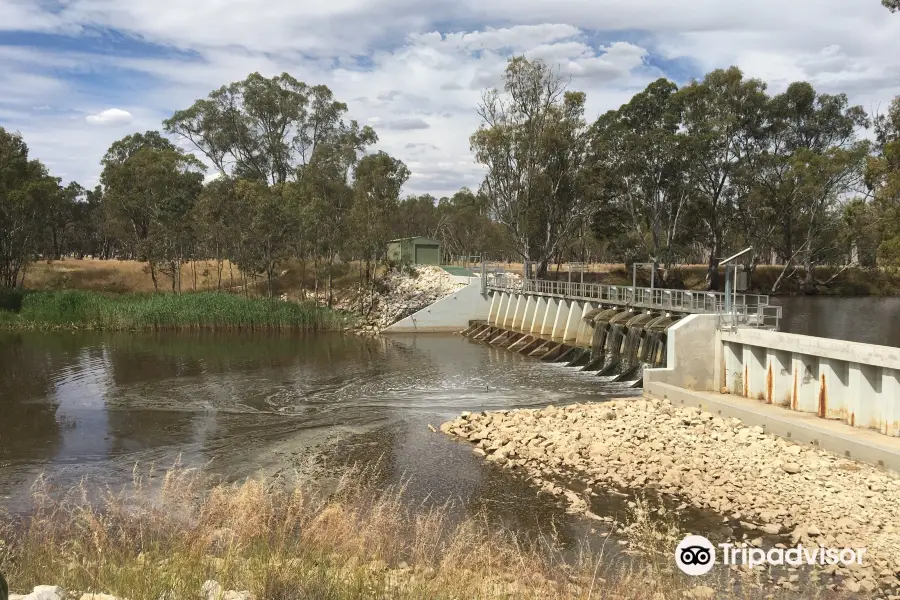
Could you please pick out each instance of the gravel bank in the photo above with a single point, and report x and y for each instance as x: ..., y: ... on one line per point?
x: 807, y: 495
x: 400, y: 294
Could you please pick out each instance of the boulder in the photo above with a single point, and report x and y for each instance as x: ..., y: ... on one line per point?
x: 47, y: 592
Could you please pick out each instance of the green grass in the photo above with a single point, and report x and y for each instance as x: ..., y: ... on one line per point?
x: 73, y: 309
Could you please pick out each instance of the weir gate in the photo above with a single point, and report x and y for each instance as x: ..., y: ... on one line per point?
x: 611, y: 330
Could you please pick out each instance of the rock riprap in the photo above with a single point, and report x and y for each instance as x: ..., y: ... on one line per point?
x: 768, y: 483
x: 401, y: 294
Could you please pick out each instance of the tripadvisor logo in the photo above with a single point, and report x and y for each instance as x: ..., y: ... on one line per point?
x: 696, y: 555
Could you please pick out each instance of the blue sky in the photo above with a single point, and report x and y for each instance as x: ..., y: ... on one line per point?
x: 78, y: 74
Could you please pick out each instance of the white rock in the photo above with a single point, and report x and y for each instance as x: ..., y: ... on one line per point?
x: 702, y: 592
x: 211, y: 590
x: 47, y: 592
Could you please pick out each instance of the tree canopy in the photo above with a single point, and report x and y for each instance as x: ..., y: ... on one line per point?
x: 675, y: 175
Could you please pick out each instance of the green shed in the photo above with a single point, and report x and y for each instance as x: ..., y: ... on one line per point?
x: 415, y: 250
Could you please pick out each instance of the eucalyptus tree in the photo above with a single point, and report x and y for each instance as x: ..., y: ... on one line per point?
x: 260, y: 127
x: 883, y: 178
x: 268, y: 224
x: 723, y: 118
x: 531, y: 141
x: 464, y: 225
x: 377, y: 181
x: 639, y: 166
x: 150, y: 187
x: 416, y: 215
x: 28, y: 200
x: 327, y: 195
x: 218, y: 214
x: 891, y: 5
x: 809, y: 160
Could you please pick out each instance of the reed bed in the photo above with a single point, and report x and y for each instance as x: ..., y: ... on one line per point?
x: 282, y: 540
x: 74, y: 309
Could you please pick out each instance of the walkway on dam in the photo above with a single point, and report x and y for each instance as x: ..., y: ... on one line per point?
x: 752, y: 309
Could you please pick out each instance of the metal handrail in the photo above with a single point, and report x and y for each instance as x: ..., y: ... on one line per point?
x: 747, y: 309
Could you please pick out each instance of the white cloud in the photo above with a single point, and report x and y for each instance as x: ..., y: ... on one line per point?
x: 110, y: 116
x: 407, y: 124
x: 416, y: 82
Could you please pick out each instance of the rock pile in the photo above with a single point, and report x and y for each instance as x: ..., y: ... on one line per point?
x: 403, y: 293
x: 807, y: 495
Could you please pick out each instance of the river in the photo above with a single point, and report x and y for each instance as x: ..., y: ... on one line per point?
x: 868, y: 319
x: 95, y: 405
x: 89, y: 404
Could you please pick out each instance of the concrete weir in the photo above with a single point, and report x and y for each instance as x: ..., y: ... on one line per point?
x: 611, y: 341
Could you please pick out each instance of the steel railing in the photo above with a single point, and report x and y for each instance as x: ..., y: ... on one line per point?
x: 746, y: 309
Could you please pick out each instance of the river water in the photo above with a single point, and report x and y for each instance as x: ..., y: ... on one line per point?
x: 76, y: 405
x: 87, y: 404
x: 868, y: 319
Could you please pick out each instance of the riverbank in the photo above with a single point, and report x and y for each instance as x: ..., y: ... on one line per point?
x: 278, y: 540
x: 73, y: 309
x: 786, y: 493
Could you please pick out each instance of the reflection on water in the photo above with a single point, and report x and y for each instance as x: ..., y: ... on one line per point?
x: 95, y: 404
x: 867, y: 319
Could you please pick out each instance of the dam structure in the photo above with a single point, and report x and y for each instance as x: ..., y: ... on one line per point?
x: 612, y: 331
x: 719, y: 352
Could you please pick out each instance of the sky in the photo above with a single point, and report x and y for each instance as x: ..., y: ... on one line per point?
x: 76, y: 75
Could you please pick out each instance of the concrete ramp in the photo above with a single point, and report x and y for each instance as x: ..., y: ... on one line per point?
x: 452, y: 313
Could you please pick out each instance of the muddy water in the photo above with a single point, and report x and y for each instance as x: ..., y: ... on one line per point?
x: 74, y: 405
x: 867, y: 319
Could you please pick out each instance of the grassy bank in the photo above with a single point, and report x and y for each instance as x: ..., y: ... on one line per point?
x: 203, y: 310
x: 287, y: 542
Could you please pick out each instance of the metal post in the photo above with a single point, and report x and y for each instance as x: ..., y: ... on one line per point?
x: 727, y: 291
x: 633, y: 282
x: 734, y: 298
x: 483, y: 277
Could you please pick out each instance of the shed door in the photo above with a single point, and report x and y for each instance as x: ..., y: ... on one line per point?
x: 428, y: 254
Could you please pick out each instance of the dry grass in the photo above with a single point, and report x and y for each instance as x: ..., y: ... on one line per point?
x: 163, y: 539
x: 296, y: 279
x: 122, y: 276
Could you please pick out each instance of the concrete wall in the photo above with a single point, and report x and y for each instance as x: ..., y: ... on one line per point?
x: 833, y: 379
x: 451, y: 313
x: 690, y: 355
x: 848, y: 381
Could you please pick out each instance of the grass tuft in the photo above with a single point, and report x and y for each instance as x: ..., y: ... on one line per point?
x: 74, y: 309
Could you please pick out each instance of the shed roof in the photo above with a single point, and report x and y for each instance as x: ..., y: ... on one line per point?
x: 415, y: 237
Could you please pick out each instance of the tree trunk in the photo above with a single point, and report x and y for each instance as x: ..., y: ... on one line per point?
x: 712, y: 275
x: 153, y: 276
x: 330, y: 284
x: 219, y: 267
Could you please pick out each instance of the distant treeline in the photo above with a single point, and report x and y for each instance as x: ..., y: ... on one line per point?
x: 679, y: 175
